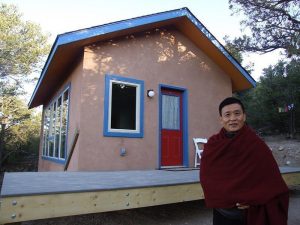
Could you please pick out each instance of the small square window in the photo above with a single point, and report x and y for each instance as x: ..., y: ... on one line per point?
x: 123, y: 107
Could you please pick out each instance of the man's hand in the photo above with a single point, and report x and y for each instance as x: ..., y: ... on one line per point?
x: 241, y: 206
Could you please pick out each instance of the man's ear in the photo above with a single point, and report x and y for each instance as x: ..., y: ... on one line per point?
x: 245, y: 117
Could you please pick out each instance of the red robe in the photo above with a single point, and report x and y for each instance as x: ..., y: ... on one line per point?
x: 243, y: 170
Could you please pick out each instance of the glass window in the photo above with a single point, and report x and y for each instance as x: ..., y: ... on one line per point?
x: 170, y: 112
x: 55, y: 127
x: 123, y: 107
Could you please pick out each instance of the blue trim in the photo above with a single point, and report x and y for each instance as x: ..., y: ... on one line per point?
x: 185, y: 112
x: 53, y: 159
x: 91, y: 32
x: 67, y: 134
x: 129, y: 134
x: 159, y: 124
x: 216, y: 43
x: 82, y: 34
x: 185, y: 135
x: 44, y: 70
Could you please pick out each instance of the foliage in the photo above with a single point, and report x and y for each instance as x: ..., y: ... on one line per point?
x: 22, y: 47
x: 273, y: 24
x: 19, y: 128
x: 278, y: 88
x: 237, y: 54
x: 234, y: 51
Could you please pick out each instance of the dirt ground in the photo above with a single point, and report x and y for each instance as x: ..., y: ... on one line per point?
x: 286, y: 153
x: 188, y: 213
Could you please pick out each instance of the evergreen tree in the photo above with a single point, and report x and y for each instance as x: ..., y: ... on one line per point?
x: 20, y: 129
x: 23, y: 46
x: 269, y: 25
x: 274, y: 105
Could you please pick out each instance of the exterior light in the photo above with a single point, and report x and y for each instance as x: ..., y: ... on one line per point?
x: 150, y: 93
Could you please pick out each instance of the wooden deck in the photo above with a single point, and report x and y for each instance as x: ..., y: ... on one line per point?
x: 39, y: 195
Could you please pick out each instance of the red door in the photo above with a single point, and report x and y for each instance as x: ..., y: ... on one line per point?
x: 171, y: 128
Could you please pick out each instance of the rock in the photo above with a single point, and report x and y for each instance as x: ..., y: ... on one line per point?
x: 280, y: 148
x: 288, y: 162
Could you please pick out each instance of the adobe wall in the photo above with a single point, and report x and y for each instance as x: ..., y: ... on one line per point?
x: 74, y: 80
x: 156, y: 57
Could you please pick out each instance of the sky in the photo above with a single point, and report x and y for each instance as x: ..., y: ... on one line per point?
x: 61, y: 16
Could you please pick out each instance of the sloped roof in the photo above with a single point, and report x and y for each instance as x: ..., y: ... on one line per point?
x: 68, y: 46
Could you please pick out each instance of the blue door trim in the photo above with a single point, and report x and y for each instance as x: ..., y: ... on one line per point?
x: 185, y: 135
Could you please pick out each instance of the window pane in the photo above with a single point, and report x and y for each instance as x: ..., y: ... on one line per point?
x: 123, y: 106
x: 46, y: 131
x: 170, y: 112
x: 57, y: 127
x: 64, y: 120
x: 52, y: 130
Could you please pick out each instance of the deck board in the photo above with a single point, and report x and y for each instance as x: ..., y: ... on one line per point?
x: 39, y: 183
x: 39, y: 195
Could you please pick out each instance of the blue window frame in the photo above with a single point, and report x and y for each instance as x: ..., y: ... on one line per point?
x: 55, y: 128
x: 123, y: 107
x: 184, y: 117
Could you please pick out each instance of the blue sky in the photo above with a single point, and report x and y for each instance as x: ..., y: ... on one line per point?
x: 60, y: 16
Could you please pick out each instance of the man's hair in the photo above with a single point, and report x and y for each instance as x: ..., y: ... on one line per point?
x: 229, y: 101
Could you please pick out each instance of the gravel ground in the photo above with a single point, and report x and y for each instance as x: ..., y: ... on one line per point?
x: 285, y: 151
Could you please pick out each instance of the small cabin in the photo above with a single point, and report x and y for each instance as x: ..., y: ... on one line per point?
x: 136, y: 91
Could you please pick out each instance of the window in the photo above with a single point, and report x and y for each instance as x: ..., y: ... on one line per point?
x: 123, y: 108
x: 55, y: 128
x: 170, y: 112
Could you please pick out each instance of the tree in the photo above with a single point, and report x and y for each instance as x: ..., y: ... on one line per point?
x: 273, y: 24
x: 19, y: 127
x: 22, y: 48
x: 237, y: 54
x: 275, y: 103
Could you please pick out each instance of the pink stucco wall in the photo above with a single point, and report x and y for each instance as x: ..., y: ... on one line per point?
x: 74, y: 82
x: 161, y: 56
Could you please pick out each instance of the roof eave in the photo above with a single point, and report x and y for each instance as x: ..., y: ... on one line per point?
x: 85, y: 36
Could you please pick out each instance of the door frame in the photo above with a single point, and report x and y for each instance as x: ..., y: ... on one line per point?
x: 184, y: 106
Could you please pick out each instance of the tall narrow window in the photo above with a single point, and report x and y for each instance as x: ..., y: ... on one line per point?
x: 64, y: 121
x: 123, y: 107
x: 55, y: 127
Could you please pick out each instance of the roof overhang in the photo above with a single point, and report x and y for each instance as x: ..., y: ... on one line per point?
x: 68, y: 47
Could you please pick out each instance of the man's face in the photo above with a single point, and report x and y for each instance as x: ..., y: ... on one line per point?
x: 233, y: 118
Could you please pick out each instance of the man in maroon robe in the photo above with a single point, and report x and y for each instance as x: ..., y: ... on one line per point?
x: 239, y: 175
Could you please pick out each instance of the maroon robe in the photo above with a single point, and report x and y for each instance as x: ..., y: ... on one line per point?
x: 243, y: 170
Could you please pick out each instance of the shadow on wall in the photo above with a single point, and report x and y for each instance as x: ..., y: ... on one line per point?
x: 158, y: 56
x: 142, y: 53
x: 155, y: 56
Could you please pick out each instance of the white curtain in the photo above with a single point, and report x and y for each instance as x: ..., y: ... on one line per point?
x: 170, y: 112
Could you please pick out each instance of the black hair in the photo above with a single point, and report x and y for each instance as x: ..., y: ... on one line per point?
x: 229, y: 101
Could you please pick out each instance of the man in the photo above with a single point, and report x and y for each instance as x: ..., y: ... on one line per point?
x: 239, y: 175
